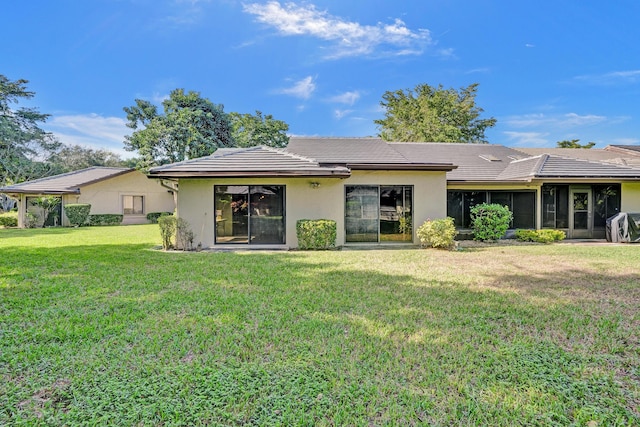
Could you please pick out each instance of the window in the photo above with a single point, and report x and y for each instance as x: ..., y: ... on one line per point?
x: 520, y: 203
x: 378, y: 213
x: 133, y: 205
x: 249, y: 214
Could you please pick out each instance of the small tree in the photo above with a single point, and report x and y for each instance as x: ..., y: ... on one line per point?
x: 490, y: 221
x: 167, y: 230
x: 574, y: 143
x: 47, y: 204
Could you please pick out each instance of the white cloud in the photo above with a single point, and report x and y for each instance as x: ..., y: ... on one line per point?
x: 528, y: 139
x: 348, y: 98
x: 611, y: 78
x: 340, y: 114
x: 300, y: 89
x: 92, y: 131
x: 348, y: 38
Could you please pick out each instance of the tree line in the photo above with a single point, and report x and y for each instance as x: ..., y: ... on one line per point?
x: 190, y: 126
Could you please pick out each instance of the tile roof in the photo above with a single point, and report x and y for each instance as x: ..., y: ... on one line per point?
x: 346, y: 150
x: 476, y: 162
x: 621, y: 157
x: 552, y: 166
x: 66, y: 183
x: 251, y: 161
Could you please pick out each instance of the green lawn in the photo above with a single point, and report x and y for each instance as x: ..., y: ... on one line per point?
x: 96, y: 328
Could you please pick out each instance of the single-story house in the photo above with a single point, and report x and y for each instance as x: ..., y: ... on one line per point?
x: 380, y: 193
x: 108, y: 190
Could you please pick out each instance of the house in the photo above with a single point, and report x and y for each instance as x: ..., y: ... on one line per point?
x: 108, y: 190
x: 380, y: 193
x: 253, y: 197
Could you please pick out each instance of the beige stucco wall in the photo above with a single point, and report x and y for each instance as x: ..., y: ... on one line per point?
x: 630, y: 197
x: 195, y: 199
x: 105, y: 196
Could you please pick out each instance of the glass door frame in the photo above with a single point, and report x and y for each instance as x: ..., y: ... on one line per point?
x: 580, y: 233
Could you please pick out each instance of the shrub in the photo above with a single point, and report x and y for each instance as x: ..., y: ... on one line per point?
x: 9, y: 219
x: 105, y: 219
x: 490, y: 221
x: 438, y: 233
x: 167, y: 230
x: 184, y: 235
x: 32, y: 220
x: 153, y: 216
x: 77, y: 213
x: 316, y: 234
x: 540, y: 236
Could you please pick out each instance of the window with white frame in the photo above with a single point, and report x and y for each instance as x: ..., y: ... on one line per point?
x: 133, y: 205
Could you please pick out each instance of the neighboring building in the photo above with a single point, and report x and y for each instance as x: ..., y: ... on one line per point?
x: 108, y: 190
x: 380, y: 192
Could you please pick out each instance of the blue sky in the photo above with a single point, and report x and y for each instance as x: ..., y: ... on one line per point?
x: 548, y: 70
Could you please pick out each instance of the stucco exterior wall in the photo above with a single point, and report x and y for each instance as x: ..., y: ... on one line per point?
x: 306, y: 201
x: 105, y: 196
x: 630, y: 197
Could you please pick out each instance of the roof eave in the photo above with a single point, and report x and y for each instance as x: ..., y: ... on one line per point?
x: 51, y: 193
x: 440, y: 167
x: 248, y: 174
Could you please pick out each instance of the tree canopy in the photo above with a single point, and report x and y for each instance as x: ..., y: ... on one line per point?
x: 24, y: 146
x: 250, y: 130
x: 189, y: 127
x: 574, y: 143
x: 75, y: 157
x: 433, y: 114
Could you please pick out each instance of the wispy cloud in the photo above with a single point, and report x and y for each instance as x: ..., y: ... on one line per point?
x: 300, y: 89
x: 626, y: 141
x: 562, y: 121
x: 612, y: 78
x: 340, y: 114
x: 91, y: 130
x: 348, y: 98
x: 527, y: 139
x: 348, y: 38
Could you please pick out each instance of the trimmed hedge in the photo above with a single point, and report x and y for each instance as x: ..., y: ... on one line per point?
x: 9, y: 219
x: 153, y: 216
x: 540, y: 236
x: 77, y: 213
x: 317, y: 234
x: 105, y: 219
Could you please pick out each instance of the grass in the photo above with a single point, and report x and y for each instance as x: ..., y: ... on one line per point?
x: 98, y: 329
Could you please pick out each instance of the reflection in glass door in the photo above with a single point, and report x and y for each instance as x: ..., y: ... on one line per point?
x: 250, y: 214
x: 581, y: 213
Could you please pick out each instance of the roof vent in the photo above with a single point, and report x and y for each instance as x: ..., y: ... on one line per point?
x: 490, y: 158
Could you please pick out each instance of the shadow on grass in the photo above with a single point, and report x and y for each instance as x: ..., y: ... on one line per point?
x: 280, y: 338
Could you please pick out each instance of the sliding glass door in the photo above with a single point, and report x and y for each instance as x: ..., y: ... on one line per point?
x: 249, y: 214
x: 378, y: 213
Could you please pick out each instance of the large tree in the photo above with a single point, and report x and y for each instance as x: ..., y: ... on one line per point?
x: 190, y: 127
x: 250, y: 130
x: 433, y: 114
x: 574, y: 143
x: 24, y: 146
x: 75, y: 157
